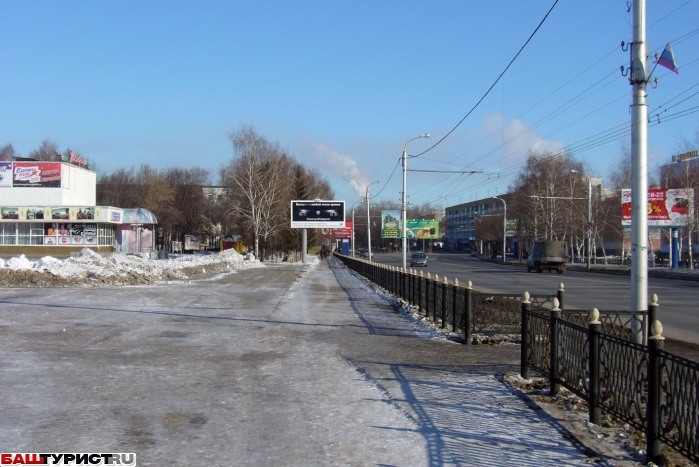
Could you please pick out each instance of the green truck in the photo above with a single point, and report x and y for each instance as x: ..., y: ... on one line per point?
x: 550, y: 255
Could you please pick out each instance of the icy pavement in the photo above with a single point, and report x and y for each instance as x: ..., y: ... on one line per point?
x: 285, y: 365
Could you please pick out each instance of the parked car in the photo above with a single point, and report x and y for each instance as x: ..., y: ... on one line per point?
x: 549, y: 255
x: 418, y: 259
x: 363, y: 253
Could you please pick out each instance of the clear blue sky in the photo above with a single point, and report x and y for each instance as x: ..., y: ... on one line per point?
x: 341, y: 85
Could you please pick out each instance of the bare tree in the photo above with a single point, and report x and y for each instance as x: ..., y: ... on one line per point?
x: 257, y: 178
x: 7, y: 153
x: 46, y: 152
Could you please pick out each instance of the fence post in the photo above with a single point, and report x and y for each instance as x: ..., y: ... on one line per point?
x: 445, y: 287
x: 419, y: 293
x: 655, y: 346
x: 427, y: 295
x: 454, y: 295
x: 594, y: 329
x: 652, y: 315
x: 553, y: 351
x: 467, y: 313
x: 434, y: 298
x: 526, y: 308
x: 561, y: 296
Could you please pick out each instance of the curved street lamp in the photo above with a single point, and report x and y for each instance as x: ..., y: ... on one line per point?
x: 504, y: 227
x: 404, y: 207
x: 368, y: 219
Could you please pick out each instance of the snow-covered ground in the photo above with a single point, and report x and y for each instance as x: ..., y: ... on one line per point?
x: 91, y: 269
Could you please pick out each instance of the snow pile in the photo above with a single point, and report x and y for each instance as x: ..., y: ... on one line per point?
x: 92, y: 269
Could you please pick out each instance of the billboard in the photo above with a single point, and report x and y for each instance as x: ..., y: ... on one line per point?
x: 345, y: 232
x: 423, y: 228
x: 317, y: 214
x: 6, y: 174
x: 667, y: 207
x: 36, y: 174
x: 390, y: 224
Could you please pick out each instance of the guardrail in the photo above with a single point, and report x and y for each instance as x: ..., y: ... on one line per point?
x: 612, y: 359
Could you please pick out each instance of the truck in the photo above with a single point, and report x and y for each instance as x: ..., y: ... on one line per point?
x: 191, y: 244
x: 551, y: 255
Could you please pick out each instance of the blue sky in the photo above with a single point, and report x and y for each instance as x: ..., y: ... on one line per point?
x: 341, y: 85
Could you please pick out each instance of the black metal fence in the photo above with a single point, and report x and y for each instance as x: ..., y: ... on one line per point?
x: 641, y: 384
x: 606, y: 358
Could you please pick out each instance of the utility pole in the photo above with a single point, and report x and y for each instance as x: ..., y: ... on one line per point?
x: 639, y: 161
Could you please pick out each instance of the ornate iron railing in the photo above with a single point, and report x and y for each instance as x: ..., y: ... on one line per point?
x: 679, y: 407
x: 623, y: 377
x: 641, y: 384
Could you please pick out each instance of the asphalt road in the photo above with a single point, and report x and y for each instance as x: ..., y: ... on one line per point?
x: 678, y: 299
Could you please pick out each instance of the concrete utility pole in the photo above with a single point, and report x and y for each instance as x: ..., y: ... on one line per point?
x: 639, y: 160
x: 404, y: 206
x: 368, y: 219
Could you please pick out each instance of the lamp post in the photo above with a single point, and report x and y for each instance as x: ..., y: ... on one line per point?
x: 589, y: 216
x: 358, y: 202
x: 368, y: 219
x: 504, y: 227
x: 404, y: 207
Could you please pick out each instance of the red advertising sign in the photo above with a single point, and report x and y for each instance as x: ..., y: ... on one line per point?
x: 36, y: 174
x: 343, y: 233
x: 666, y: 207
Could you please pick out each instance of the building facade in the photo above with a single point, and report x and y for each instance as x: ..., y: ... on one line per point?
x: 48, y: 208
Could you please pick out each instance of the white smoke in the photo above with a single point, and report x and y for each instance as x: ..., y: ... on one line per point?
x: 339, y: 164
x: 517, y: 139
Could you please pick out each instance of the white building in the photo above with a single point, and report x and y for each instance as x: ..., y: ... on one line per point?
x: 49, y: 208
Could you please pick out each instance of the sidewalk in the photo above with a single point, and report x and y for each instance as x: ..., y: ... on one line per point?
x: 464, y: 413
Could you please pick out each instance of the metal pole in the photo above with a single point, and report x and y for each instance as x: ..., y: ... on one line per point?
x: 304, y: 245
x: 368, y: 223
x: 639, y: 164
x: 352, y: 231
x: 504, y: 227
x: 403, y: 214
x: 589, y: 221
x: 404, y: 205
x: 368, y: 219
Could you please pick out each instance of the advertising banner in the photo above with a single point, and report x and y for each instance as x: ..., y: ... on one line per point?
x: 6, y: 174
x: 423, y: 228
x: 667, y: 207
x: 62, y: 214
x: 33, y: 213
x: 317, y: 214
x: 10, y: 213
x: 36, y: 174
x: 343, y: 233
x: 390, y: 224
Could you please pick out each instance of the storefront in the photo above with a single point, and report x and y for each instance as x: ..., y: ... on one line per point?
x: 48, y: 208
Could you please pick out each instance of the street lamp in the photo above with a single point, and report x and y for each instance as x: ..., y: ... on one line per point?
x: 358, y: 202
x: 504, y: 226
x: 404, y: 207
x: 589, y: 216
x: 368, y: 219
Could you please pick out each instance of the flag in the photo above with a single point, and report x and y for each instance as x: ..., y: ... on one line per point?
x: 667, y: 59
